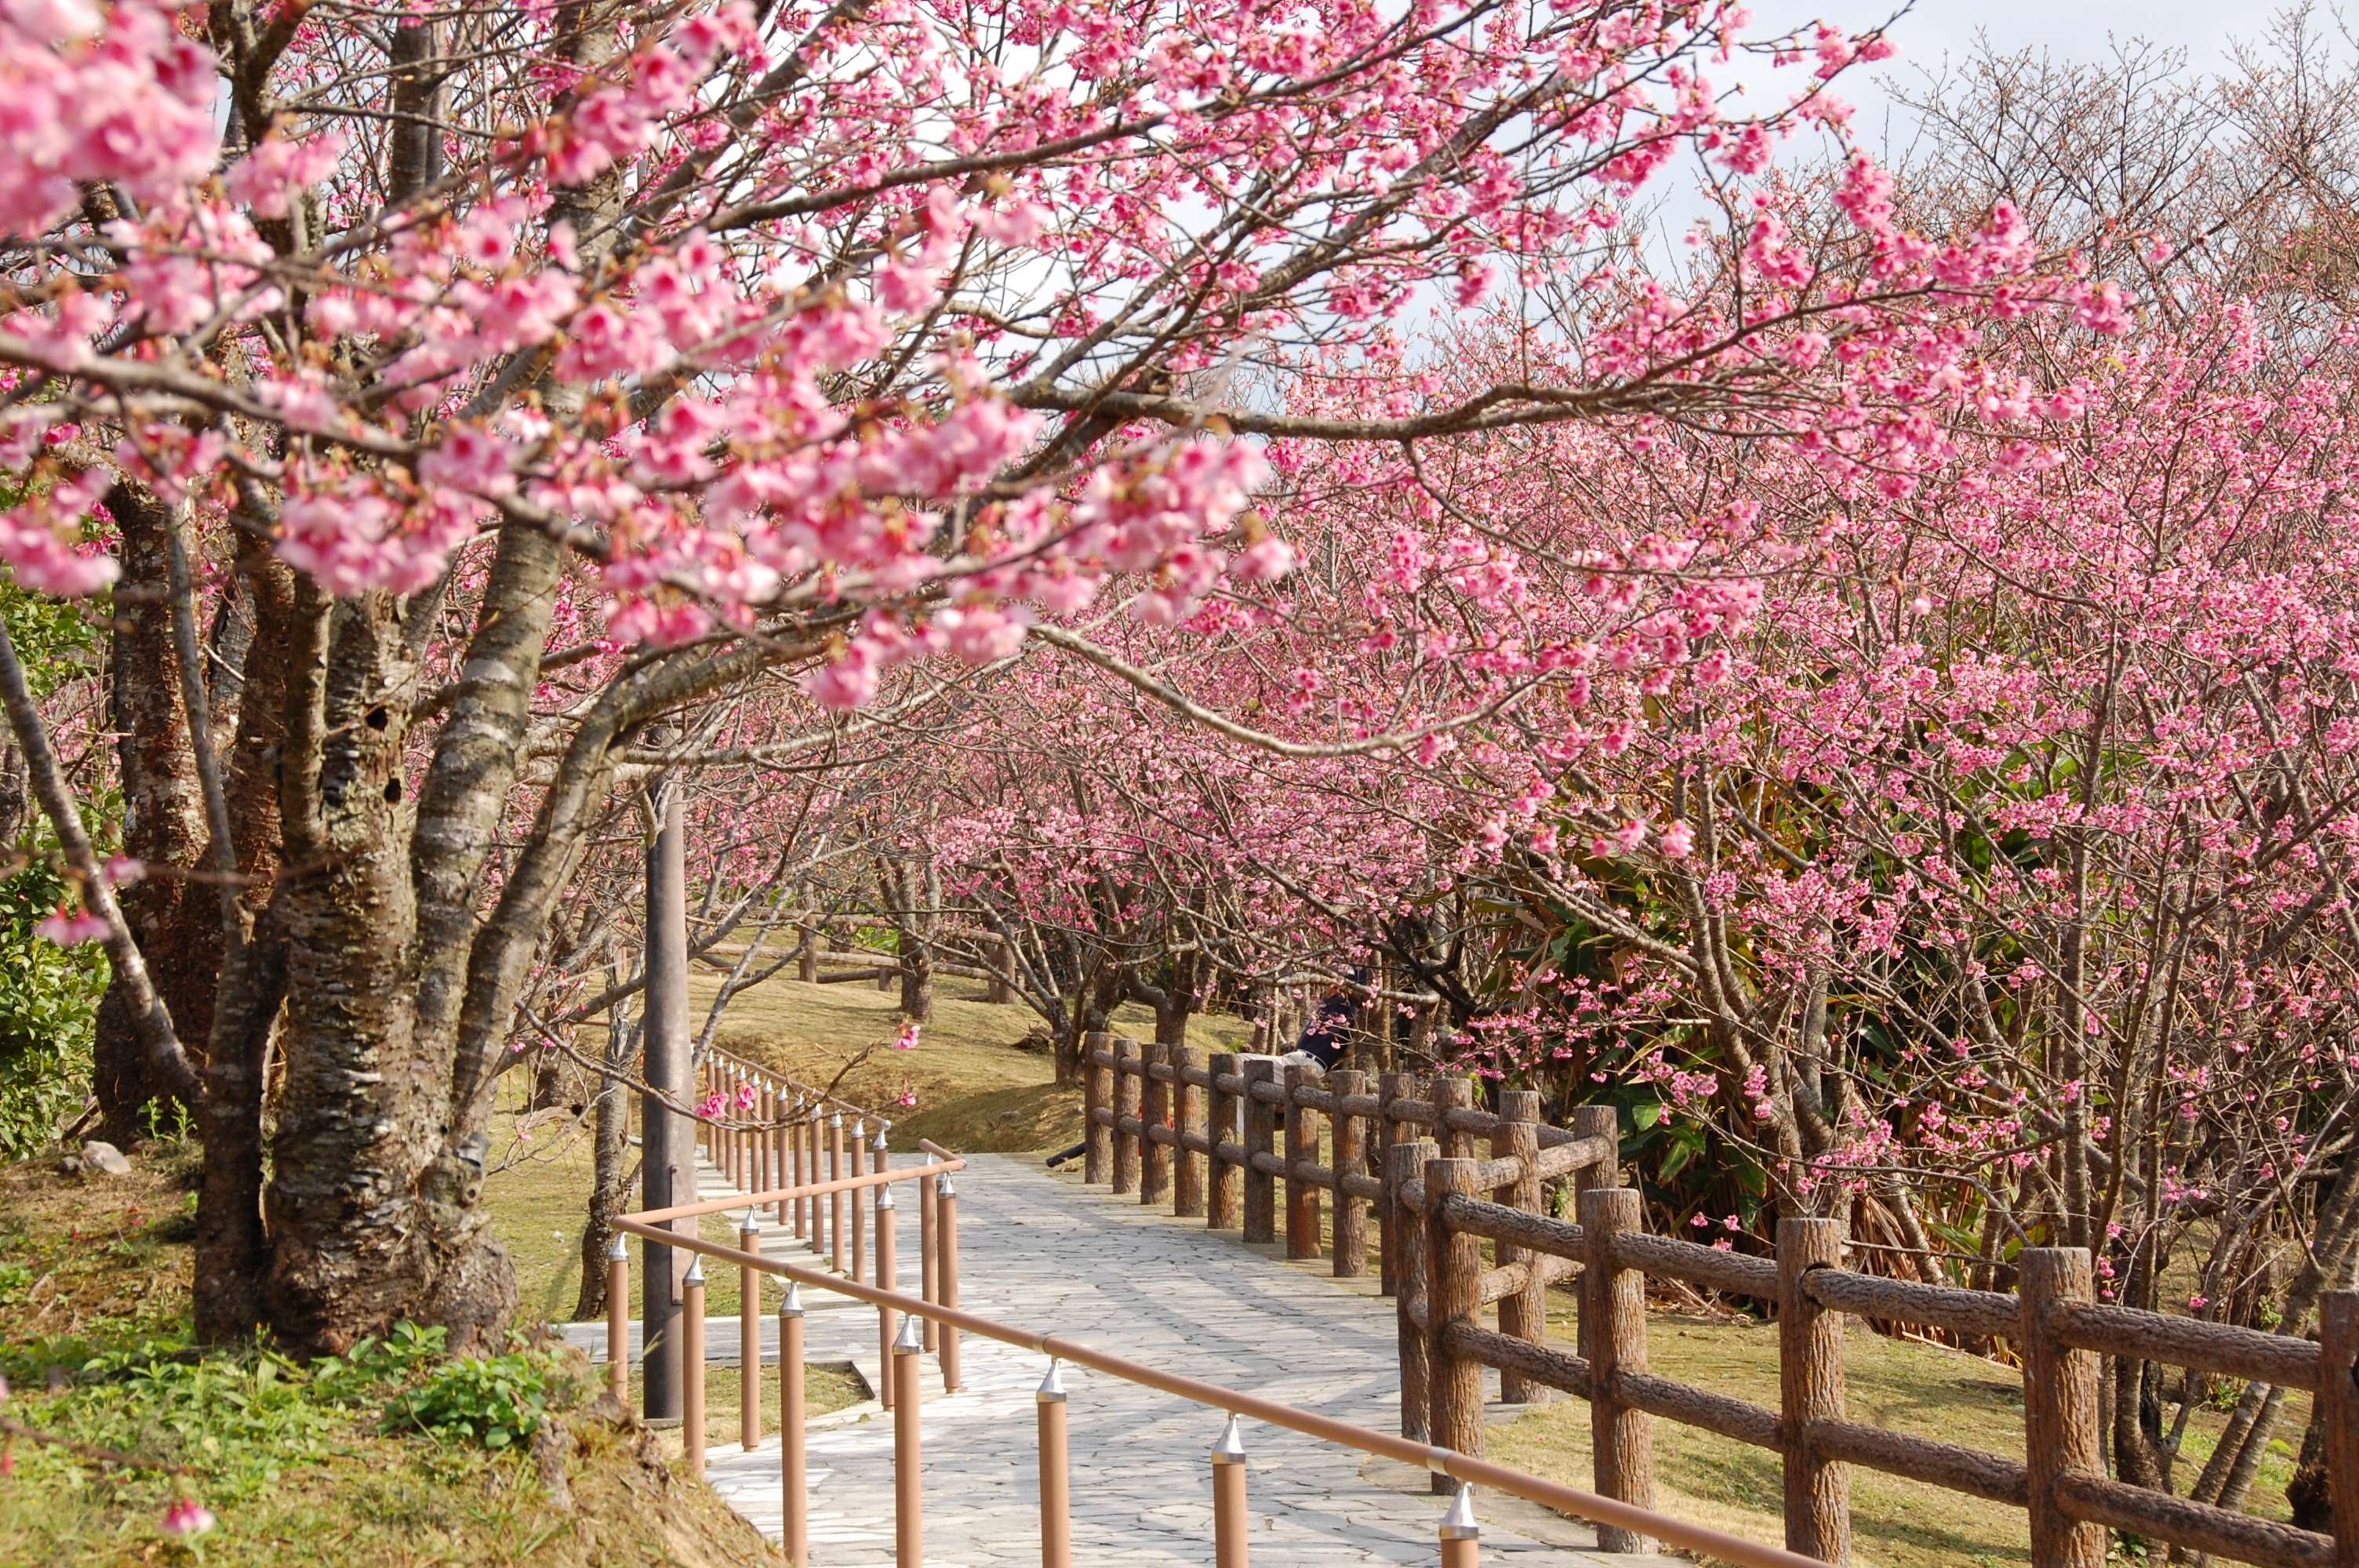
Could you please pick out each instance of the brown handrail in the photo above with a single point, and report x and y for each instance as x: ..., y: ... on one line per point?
x: 1441, y: 1461
x: 809, y: 1190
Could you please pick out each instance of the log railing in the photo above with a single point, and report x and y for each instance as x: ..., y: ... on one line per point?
x: 1435, y: 1204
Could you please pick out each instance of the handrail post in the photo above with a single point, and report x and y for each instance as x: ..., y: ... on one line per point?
x: 1593, y: 1122
x: 930, y: 1273
x: 2338, y: 1415
x: 1097, y: 1081
x: 749, y: 1338
x: 1126, y: 1097
x: 1613, y: 1304
x: 946, y: 1245
x: 1225, y: 1193
x: 806, y: 1172
x: 1390, y: 1087
x: 1229, y: 1521
x: 794, y: 1477
x: 1461, y: 1538
x: 1351, y: 1160
x: 1261, y: 1138
x: 618, y: 1318
x: 1055, y: 1475
x: 887, y: 1278
x: 1153, y: 1111
x: 1524, y: 1314
x: 859, y: 1201
x: 1187, y: 1165
x: 1302, y: 1236
x: 691, y: 1356
x: 1453, y: 1273
x: 835, y: 1199
x: 1810, y: 1390
x: 902, y: 1365
x: 765, y: 1142
x: 2060, y: 1407
x: 1408, y: 1161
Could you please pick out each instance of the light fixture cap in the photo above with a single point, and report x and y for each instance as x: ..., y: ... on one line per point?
x: 1459, y: 1524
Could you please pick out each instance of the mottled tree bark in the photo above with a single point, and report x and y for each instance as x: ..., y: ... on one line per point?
x: 176, y: 923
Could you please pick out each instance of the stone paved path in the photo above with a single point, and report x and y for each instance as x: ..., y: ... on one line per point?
x: 1043, y: 1252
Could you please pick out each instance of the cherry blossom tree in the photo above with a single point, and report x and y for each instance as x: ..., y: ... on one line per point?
x: 458, y: 396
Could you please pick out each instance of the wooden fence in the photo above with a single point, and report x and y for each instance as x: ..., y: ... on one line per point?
x: 1204, y: 1131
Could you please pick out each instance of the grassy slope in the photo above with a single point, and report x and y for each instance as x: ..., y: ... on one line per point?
x: 89, y: 1266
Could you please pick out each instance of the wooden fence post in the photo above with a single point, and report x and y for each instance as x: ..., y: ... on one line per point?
x: 1224, y: 1195
x: 1593, y: 1122
x: 1451, y: 1093
x: 1261, y: 1138
x: 2338, y: 1415
x: 2060, y: 1407
x: 1188, y: 1167
x: 1302, y: 1236
x: 1454, y: 1277
x: 1390, y: 1087
x: 1154, y: 1110
x: 1810, y: 1390
x: 1524, y: 1314
x: 1125, y: 1108
x: 1613, y: 1309
x: 1097, y: 1162
x: 1351, y: 1141
x: 1405, y: 1162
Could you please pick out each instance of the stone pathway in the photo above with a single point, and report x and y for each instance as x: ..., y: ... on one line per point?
x: 1043, y: 1252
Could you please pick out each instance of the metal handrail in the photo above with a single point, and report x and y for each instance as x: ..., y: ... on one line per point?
x: 809, y: 1190
x: 1461, y: 1468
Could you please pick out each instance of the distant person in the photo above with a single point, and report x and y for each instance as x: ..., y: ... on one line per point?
x: 1328, y: 1035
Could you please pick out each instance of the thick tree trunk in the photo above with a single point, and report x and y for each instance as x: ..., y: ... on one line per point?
x: 361, y: 1113
x: 176, y: 923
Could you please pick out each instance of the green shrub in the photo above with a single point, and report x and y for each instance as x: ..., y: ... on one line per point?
x: 497, y: 1401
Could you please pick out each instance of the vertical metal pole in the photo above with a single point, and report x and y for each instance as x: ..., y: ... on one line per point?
x: 946, y: 1245
x: 859, y: 1198
x: 797, y: 1135
x: 749, y: 1339
x: 835, y: 1199
x: 930, y: 1273
x: 692, y: 1354
x: 1056, y: 1477
x: 888, y: 1326
x: 618, y: 1318
x: 667, y: 1141
x: 1229, y: 1499
x: 909, y: 1519
x: 793, y: 1477
x: 1461, y: 1536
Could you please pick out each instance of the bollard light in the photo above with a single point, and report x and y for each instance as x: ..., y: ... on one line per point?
x: 1056, y: 1481
x: 1229, y: 1499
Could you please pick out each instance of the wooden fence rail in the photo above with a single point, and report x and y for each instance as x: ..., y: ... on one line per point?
x: 1409, y: 1153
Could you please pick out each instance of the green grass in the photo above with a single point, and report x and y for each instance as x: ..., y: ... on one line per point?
x: 1903, y: 1384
